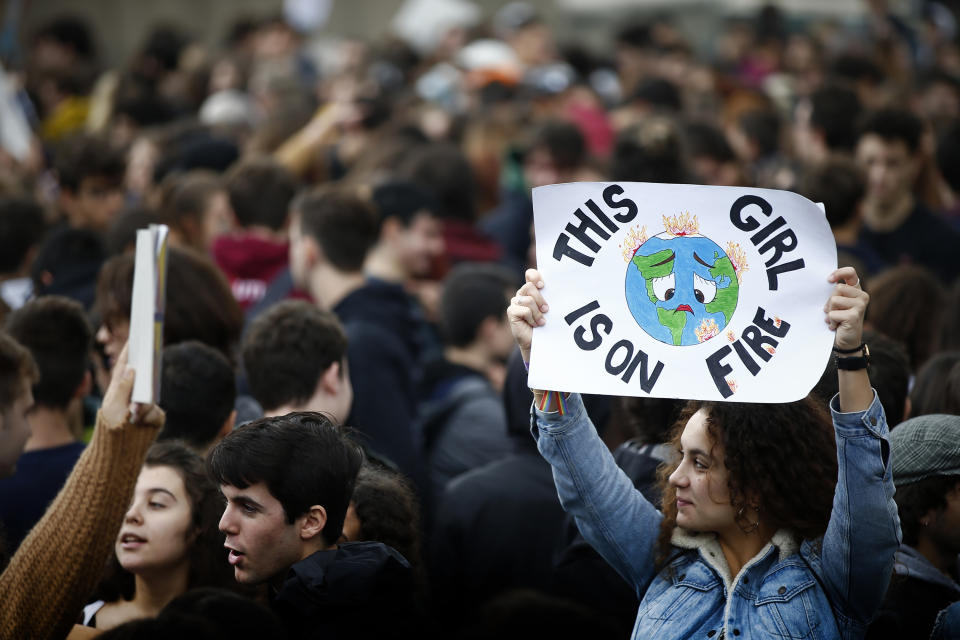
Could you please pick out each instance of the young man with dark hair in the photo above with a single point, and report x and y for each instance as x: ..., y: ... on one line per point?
x: 556, y: 152
x: 56, y: 332
x: 443, y: 170
x: 197, y: 392
x: 710, y: 157
x: 67, y: 264
x: 21, y: 229
x: 18, y: 372
x: 825, y: 123
x: 839, y: 184
x: 462, y: 420
x: 260, y: 192
x: 331, y: 232
x: 897, y: 226
x: 288, y: 482
x: 197, y: 208
x: 90, y: 175
x: 925, y: 454
x: 295, y: 358
x: 411, y: 234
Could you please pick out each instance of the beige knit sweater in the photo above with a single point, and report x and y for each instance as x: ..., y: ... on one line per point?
x: 59, y: 563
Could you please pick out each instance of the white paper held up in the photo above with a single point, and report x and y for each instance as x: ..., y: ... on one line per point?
x: 147, y: 307
x: 681, y: 291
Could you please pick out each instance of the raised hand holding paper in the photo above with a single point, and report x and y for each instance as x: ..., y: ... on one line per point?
x: 146, y: 312
x: 681, y: 291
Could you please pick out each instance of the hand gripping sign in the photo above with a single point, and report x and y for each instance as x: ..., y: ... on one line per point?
x: 681, y: 291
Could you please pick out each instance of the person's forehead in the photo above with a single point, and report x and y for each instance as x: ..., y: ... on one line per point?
x: 425, y: 219
x: 872, y: 142
x: 101, y: 182
x: 695, y: 434
x: 257, y: 491
x: 161, y: 477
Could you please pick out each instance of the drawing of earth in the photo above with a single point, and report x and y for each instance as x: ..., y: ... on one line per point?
x: 681, y: 290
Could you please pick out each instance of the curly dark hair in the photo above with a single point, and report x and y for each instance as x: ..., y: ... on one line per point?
x: 782, y: 455
x: 388, y: 510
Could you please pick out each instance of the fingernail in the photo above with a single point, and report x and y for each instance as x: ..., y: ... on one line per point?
x: 544, y: 308
x: 541, y: 321
x: 539, y: 284
x: 128, y: 373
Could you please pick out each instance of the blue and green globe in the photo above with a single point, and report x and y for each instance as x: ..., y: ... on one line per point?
x: 681, y: 290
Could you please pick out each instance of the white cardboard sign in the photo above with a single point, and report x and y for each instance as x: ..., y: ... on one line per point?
x: 681, y: 291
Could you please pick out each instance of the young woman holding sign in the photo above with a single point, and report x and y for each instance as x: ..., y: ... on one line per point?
x: 774, y: 523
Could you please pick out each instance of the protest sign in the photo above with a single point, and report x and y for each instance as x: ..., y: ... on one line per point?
x: 681, y: 291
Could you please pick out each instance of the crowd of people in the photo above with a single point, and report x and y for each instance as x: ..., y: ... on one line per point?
x: 342, y: 445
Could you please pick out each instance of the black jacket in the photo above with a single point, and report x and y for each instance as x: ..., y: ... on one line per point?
x: 918, y: 591
x: 383, y: 352
x: 496, y: 528
x: 358, y: 590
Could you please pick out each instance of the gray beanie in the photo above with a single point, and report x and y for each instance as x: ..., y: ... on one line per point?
x: 924, y: 447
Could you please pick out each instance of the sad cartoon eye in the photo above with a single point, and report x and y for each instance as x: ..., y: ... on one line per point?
x: 704, y: 290
x: 664, y: 287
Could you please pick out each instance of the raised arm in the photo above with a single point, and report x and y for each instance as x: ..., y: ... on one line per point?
x: 59, y: 563
x: 864, y: 531
x: 845, y: 310
x: 613, y: 517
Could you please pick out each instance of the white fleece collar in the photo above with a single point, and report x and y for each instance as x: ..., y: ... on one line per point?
x: 785, y: 541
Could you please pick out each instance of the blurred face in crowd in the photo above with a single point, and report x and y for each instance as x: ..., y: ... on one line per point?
x: 113, y: 334
x: 807, y: 145
x: 418, y: 245
x: 890, y: 169
x: 218, y: 218
x: 943, y: 528
x: 157, y: 530
x: 94, y: 204
x: 299, y: 261
x: 533, y: 44
x: 703, y: 497
x: 14, y: 431
x: 539, y: 169
x: 261, y: 543
x: 352, y: 527
x: 141, y: 161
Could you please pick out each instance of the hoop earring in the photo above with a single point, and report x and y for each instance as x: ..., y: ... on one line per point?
x: 752, y: 526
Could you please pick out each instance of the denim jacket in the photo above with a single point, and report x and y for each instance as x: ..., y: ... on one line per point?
x: 825, y: 588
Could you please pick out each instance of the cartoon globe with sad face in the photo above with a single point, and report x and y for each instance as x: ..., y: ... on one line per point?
x: 681, y: 287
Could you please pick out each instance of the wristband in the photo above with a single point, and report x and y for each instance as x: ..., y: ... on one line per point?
x: 863, y: 345
x: 853, y: 363
x: 553, y: 402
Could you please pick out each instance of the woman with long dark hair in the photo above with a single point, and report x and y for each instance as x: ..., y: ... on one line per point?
x: 168, y: 542
x: 774, y: 522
